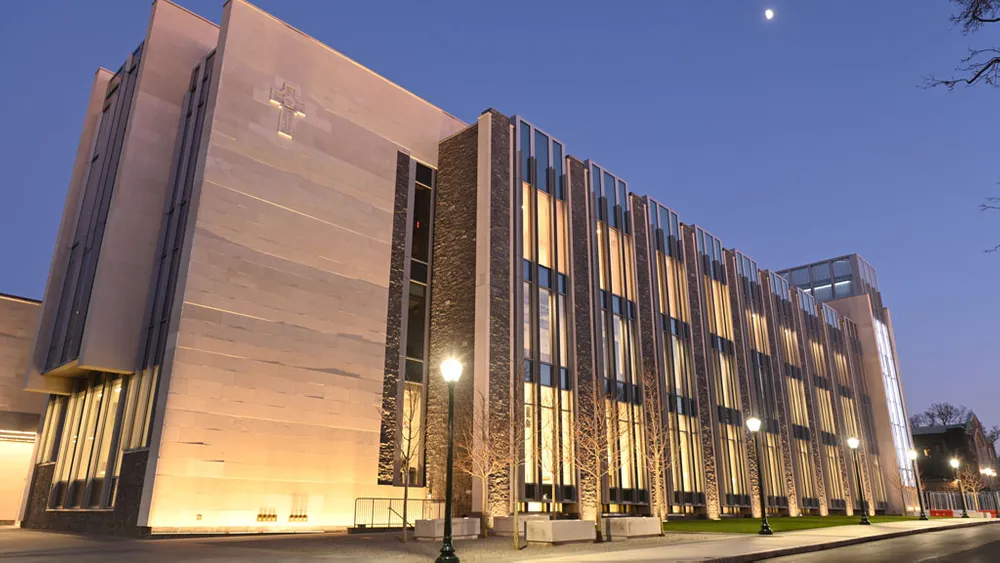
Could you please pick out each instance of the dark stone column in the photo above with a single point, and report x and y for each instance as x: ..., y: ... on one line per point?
x: 703, y: 380
x: 394, y: 325
x: 120, y: 521
x: 501, y: 267
x: 582, y: 228
x: 452, y: 306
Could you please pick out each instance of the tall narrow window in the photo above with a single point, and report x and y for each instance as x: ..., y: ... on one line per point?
x: 545, y: 320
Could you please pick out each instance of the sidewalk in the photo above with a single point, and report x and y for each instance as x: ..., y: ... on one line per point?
x: 753, y: 547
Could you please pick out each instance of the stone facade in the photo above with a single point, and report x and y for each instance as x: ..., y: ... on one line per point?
x: 582, y: 219
x: 388, y: 437
x: 120, y: 521
x: 453, y: 319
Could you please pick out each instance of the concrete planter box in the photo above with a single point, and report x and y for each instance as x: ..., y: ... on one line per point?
x: 629, y: 527
x: 504, y: 525
x: 554, y: 532
x: 433, y: 530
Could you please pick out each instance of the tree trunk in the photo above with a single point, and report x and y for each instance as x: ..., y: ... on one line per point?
x: 484, y: 528
x: 406, y: 497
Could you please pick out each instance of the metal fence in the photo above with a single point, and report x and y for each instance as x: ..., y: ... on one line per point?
x: 945, y: 500
x: 388, y: 512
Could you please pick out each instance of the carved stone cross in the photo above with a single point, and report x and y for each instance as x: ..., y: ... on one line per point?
x: 289, y: 107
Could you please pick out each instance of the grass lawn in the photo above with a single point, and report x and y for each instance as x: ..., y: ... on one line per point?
x: 782, y: 524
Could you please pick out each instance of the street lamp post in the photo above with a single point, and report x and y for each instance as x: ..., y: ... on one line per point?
x: 854, y: 443
x: 753, y: 424
x: 993, y: 489
x: 451, y: 370
x: 912, y: 454
x: 961, y: 489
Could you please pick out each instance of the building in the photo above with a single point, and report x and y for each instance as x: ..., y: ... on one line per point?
x: 849, y: 285
x: 267, y: 249
x: 19, y: 410
x: 936, y: 446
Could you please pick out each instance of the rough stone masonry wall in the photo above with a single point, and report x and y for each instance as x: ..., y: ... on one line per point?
x: 394, y: 325
x: 701, y: 372
x: 500, y: 300
x: 583, y: 301
x: 453, y: 311
x: 120, y: 521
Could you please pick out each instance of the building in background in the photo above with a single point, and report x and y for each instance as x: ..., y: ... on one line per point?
x: 19, y: 410
x: 937, y: 445
x: 267, y: 250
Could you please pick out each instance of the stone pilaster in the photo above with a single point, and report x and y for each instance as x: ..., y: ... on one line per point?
x: 394, y: 324
x: 452, y: 310
x: 582, y: 227
x: 501, y: 290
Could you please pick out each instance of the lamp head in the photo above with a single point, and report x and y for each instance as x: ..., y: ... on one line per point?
x: 912, y: 454
x: 853, y: 443
x: 954, y: 463
x: 451, y: 370
x: 753, y: 424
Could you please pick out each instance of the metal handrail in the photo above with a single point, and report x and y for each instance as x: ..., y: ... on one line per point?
x: 386, y: 512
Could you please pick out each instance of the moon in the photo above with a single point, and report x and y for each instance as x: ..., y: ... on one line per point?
x: 769, y: 14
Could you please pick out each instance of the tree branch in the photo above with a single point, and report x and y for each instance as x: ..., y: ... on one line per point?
x: 974, y: 13
x: 985, y: 71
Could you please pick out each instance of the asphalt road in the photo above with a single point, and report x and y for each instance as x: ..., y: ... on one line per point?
x: 968, y: 545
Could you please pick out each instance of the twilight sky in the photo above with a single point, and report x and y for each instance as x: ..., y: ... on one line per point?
x: 793, y: 140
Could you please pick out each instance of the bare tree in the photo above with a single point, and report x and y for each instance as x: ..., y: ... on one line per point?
x: 969, y: 480
x: 483, y: 454
x: 895, y: 482
x: 919, y: 419
x: 657, y: 442
x: 979, y: 66
x: 946, y: 413
x: 515, y: 452
x: 992, y: 435
x: 409, y: 443
x: 595, y: 435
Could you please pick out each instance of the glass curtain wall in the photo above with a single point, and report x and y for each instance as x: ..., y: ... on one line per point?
x: 673, y: 311
x: 734, y: 493
x: 549, y: 474
x: 762, y: 381
x: 618, y: 332
x: 798, y: 403
x: 411, y: 422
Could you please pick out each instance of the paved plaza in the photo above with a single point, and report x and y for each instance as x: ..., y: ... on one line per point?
x: 32, y: 546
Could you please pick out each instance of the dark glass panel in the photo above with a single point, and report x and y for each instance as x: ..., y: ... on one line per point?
x: 525, y: 152
x: 416, y: 314
x: 420, y: 247
x: 542, y: 160
x: 557, y: 165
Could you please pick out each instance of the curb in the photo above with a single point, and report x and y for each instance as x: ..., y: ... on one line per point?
x: 759, y: 555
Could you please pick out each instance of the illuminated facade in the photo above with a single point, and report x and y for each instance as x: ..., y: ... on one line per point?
x: 260, y: 267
